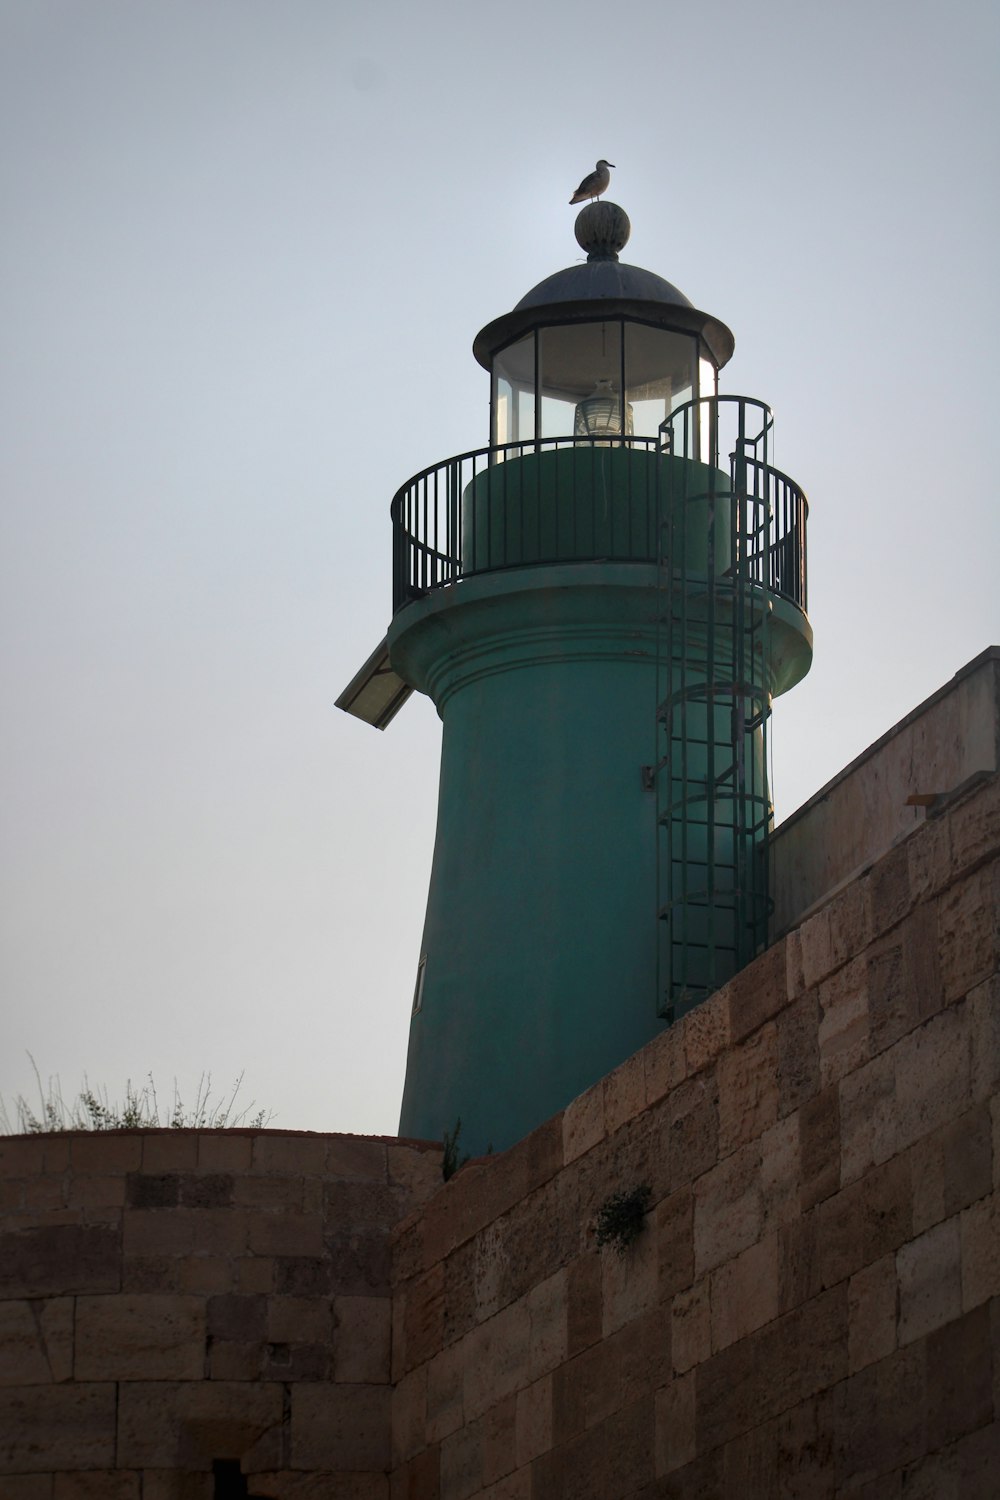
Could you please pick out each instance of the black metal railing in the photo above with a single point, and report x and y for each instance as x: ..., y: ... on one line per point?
x: 572, y: 499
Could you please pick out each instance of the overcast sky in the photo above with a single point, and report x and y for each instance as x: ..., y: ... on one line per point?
x: 246, y: 249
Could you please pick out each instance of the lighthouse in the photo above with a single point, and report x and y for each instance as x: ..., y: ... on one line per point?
x: 602, y: 603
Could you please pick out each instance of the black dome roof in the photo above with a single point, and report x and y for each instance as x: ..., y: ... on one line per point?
x: 603, y: 287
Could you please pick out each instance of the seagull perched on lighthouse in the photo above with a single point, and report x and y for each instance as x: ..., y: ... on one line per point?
x: 595, y: 183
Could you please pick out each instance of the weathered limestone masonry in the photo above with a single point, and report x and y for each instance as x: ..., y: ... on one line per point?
x: 176, y: 1298
x: 814, y: 1307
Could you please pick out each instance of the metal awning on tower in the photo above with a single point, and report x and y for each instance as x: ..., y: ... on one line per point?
x: 376, y: 693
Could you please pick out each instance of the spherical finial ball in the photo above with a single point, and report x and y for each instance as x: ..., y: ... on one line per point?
x: 602, y: 229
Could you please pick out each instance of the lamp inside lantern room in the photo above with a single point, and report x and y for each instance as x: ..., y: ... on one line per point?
x: 565, y: 381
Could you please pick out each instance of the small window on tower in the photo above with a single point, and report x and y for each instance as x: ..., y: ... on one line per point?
x: 418, y: 988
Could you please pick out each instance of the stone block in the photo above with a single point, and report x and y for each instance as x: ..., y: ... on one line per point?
x: 624, y: 1093
x: 36, y: 1341
x: 706, y: 1031
x: 674, y: 1232
x: 54, y: 1259
x: 419, y: 1478
x: 256, y: 1191
x: 184, y: 1231
x: 980, y: 1249
x: 784, y: 1363
x: 169, y: 1425
x: 362, y: 1340
x: 106, y: 1152
x: 244, y: 1359
x: 758, y: 992
x: 967, y: 1158
x: 238, y: 1317
x: 584, y: 1303
x: 838, y: 931
x: 975, y: 827
x: 409, y: 1416
x: 930, y: 1283
x: 877, y: 1417
x: 984, y: 1030
x: 290, y: 1320
x: 26, y: 1486
x: 676, y: 1441
x: 225, y: 1151
x: 959, y: 1378
x: 866, y: 1105
x: 780, y: 1173
x: 664, y: 1064
x: 445, y: 1402
x: 498, y: 1439
x: 276, y: 1154
x: 323, y: 1485
x: 843, y: 1025
x: 933, y: 1075
x: 284, y: 1233
x: 498, y: 1361
x: 47, y: 1427
x: 416, y: 1169
x: 208, y: 1275
x: 492, y: 1268
x: 798, y: 1053
x: 691, y: 1327
x: 96, y: 1193
x: 929, y: 853
x: 533, y: 1421
x: 692, y: 1115
x: 586, y: 1391
x: 890, y: 896
x: 341, y: 1427
x: 630, y: 1282
x: 728, y: 1208
x: 583, y: 1123
x: 864, y: 1221
x: 462, y: 1463
x: 169, y: 1150
x: 744, y: 1293
x: 423, y: 1317
x: 871, y: 1304
x: 748, y: 1089
x: 795, y: 979
x: 136, y: 1336
x: 153, y: 1189
x: 97, y: 1484
x: 967, y: 918
x: 549, y: 1326
x: 512, y: 1487
x: 256, y: 1273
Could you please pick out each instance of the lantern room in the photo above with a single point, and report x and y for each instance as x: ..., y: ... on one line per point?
x: 600, y: 349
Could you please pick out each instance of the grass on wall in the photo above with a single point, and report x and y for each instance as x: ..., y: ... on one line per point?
x: 141, y: 1108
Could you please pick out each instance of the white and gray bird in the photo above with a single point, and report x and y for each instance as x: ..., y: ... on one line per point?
x: 595, y: 183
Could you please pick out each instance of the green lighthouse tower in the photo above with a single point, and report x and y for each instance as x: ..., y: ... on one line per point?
x: 602, y: 605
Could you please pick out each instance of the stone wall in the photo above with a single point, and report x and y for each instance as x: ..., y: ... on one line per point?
x: 813, y: 1309
x: 174, y: 1300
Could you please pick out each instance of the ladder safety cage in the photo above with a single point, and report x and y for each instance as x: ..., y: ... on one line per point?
x: 719, y: 559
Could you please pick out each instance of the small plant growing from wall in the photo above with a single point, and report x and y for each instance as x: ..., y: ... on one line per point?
x: 451, y: 1161
x: 619, y: 1221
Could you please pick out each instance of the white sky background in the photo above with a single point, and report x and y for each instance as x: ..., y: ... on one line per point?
x: 246, y: 249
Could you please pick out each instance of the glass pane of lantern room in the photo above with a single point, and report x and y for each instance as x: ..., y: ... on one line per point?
x: 578, y: 362
x: 659, y: 371
x: 513, y: 406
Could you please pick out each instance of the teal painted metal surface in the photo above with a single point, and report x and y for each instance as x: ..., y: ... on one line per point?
x: 540, y: 939
x: 540, y: 952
